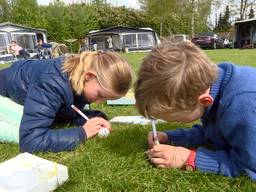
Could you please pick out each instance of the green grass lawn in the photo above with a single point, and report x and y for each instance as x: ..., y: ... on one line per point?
x: 117, y: 163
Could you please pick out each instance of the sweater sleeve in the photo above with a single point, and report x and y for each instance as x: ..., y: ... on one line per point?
x: 187, y: 137
x: 40, y: 107
x: 237, y: 125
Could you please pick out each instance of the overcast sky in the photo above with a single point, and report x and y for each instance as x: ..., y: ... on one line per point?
x: 128, y: 3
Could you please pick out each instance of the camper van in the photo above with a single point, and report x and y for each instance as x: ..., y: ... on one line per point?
x: 123, y: 39
x: 26, y: 37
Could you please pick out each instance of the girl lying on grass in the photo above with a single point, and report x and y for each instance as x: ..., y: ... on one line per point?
x: 48, y: 88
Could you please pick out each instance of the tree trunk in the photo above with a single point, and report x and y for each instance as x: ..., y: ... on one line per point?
x: 193, y: 19
x: 161, y: 29
x: 243, y: 6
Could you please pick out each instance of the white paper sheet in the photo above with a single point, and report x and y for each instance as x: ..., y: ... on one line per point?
x: 133, y: 120
x: 29, y: 173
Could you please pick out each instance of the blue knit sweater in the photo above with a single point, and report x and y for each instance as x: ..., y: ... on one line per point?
x: 228, y: 126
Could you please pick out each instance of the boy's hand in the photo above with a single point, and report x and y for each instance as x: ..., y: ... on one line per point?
x: 93, y: 125
x: 162, y: 137
x: 167, y: 156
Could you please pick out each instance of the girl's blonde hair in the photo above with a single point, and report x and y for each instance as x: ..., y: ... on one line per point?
x: 113, y: 73
x: 172, y: 77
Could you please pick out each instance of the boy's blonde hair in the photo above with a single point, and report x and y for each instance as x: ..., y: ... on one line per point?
x: 113, y: 73
x: 171, y: 78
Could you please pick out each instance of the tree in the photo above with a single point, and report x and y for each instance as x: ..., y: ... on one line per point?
x: 243, y: 7
x: 193, y: 18
x: 198, y: 12
x: 159, y: 10
x: 178, y: 16
x: 25, y: 12
x: 57, y: 25
x: 251, y: 14
x: 99, y: 2
x: 215, y: 7
x: 5, y: 11
x: 224, y: 21
x: 240, y: 8
x: 219, y: 24
x: 81, y: 18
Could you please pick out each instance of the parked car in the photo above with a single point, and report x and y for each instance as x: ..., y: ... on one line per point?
x: 208, y: 40
x: 181, y: 38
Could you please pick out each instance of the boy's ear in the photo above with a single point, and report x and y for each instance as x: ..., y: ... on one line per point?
x: 89, y: 75
x: 205, y: 99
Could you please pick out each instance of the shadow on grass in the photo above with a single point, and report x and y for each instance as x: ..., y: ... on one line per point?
x: 130, y: 139
x: 126, y: 140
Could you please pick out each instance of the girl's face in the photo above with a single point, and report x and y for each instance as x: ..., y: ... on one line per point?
x: 93, y: 91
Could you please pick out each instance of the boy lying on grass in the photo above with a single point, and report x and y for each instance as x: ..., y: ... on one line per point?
x: 178, y: 82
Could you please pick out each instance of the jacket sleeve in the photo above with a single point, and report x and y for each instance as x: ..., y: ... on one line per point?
x: 189, y: 137
x: 43, y: 101
x: 237, y: 125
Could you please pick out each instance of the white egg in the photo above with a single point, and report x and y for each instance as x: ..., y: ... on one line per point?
x: 103, y: 132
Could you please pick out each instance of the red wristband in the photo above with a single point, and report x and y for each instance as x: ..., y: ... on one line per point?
x: 190, y: 162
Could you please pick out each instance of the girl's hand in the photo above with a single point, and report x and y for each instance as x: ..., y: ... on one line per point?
x: 167, y: 156
x: 162, y: 137
x: 93, y: 125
